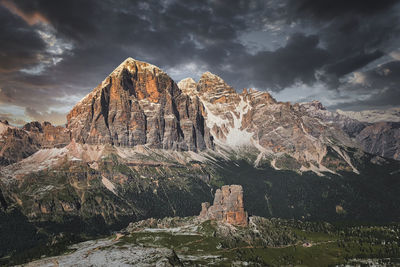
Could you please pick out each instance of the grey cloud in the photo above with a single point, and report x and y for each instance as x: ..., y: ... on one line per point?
x: 19, y: 43
x: 11, y: 119
x: 381, y: 84
x: 53, y: 116
x: 298, y: 60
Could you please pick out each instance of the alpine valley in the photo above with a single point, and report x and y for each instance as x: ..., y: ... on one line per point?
x: 140, y: 149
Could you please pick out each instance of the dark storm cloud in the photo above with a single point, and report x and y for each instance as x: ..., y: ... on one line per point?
x: 19, y: 43
x: 383, y: 85
x: 105, y: 33
x: 330, y: 9
x: 316, y: 41
x: 352, y: 63
x: 286, y: 65
x: 153, y: 30
x: 352, y: 33
x: 56, y: 118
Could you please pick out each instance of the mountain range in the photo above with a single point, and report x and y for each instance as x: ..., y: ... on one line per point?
x: 141, y: 145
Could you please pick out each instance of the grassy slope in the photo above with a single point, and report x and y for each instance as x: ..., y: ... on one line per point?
x: 330, y: 246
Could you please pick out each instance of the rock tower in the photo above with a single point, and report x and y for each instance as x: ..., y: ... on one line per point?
x: 227, y: 207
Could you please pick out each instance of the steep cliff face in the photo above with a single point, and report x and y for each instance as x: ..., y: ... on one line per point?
x: 139, y: 104
x: 381, y: 138
x: 47, y: 135
x: 17, y: 144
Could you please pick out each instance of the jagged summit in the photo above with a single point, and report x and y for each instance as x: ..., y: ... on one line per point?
x: 188, y: 86
x: 142, y: 105
x: 209, y: 75
x: 313, y: 105
x: 188, y: 80
x: 131, y: 64
x: 132, y: 67
x: 139, y: 104
x: 211, y: 83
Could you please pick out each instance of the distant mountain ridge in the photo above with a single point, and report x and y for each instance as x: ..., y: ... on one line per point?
x: 379, y: 138
x: 372, y: 116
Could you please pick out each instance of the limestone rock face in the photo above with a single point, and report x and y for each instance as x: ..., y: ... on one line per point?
x: 48, y: 135
x: 351, y: 126
x: 372, y: 135
x: 381, y: 138
x: 255, y: 118
x: 227, y: 207
x: 17, y: 143
x: 139, y: 104
x: 216, y: 89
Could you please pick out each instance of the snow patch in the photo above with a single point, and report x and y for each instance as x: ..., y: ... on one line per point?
x: 237, y: 136
x: 213, y: 119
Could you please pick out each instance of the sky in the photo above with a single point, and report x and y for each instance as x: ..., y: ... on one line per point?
x: 344, y: 53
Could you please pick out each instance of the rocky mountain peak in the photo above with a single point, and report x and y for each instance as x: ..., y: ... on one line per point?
x: 211, y: 83
x: 139, y: 104
x: 209, y: 75
x: 134, y: 65
x: 313, y: 105
x: 188, y: 86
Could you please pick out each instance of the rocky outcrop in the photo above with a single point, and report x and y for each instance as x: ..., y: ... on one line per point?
x: 381, y: 138
x: 48, y: 135
x: 228, y: 206
x: 139, y: 104
x: 16, y: 144
x: 19, y: 143
x: 351, y: 126
x: 216, y: 89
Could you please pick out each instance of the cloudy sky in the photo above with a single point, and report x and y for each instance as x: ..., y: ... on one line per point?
x: 345, y: 53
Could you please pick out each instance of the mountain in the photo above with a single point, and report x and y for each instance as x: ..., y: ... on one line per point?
x: 378, y: 138
x: 139, y: 146
x: 372, y: 116
x: 381, y: 138
x: 350, y: 125
x: 139, y: 104
x: 280, y: 133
